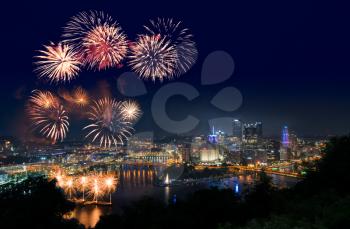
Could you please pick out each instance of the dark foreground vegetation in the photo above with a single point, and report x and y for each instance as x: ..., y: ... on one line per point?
x: 321, y: 200
x: 35, y: 203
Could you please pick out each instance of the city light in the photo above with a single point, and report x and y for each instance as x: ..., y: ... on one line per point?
x: 101, y: 109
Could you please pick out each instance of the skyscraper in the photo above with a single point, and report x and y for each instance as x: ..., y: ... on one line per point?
x: 285, y: 136
x: 252, y: 152
x: 237, y: 129
x: 285, y: 144
x: 252, y: 132
x: 273, y: 150
x: 213, y: 138
x: 185, y: 150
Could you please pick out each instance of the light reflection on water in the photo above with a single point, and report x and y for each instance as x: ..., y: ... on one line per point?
x: 89, y: 215
x: 137, y: 182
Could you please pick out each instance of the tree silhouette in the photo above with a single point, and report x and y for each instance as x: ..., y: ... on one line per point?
x: 35, y: 203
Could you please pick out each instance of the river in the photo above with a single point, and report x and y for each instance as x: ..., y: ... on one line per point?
x: 136, y: 182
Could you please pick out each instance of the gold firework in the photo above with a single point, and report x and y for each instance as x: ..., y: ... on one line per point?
x: 88, y: 186
x: 48, y: 115
x: 43, y: 99
x: 131, y: 110
x: 80, y: 96
x: 57, y: 63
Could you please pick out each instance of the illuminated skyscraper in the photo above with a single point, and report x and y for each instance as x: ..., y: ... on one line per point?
x: 213, y: 138
x: 252, y: 151
x: 285, y: 144
x: 285, y: 136
x: 237, y: 129
x: 185, y: 150
x: 252, y: 132
x: 273, y: 150
x: 290, y: 142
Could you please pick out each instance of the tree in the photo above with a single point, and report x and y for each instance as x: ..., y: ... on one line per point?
x: 35, y: 203
x: 259, y: 200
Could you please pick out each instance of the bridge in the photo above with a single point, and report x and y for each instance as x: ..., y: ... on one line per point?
x: 268, y: 170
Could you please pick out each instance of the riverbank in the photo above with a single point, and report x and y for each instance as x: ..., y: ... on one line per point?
x: 134, y: 187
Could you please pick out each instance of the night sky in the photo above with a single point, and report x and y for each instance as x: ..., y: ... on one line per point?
x: 291, y: 58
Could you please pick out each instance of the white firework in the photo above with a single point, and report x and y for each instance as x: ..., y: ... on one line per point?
x: 109, y: 125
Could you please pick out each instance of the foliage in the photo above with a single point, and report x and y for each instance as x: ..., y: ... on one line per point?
x: 35, y: 203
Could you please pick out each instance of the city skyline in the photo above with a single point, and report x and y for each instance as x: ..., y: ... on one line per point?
x: 176, y: 114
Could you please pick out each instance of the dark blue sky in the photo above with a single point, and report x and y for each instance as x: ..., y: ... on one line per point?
x: 292, y: 59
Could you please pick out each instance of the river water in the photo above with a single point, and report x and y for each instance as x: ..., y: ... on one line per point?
x: 136, y: 182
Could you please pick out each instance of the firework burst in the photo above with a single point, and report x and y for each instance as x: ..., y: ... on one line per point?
x: 105, y: 47
x: 131, y: 110
x: 153, y: 58
x: 57, y: 63
x: 87, y: 187
x: 178, y: 36
x: 98, y: 37
x: 77, y: 97
x: 59, y: 178
x: 80, y: 97
x: 109, y: 124
x: 69, y: 187
x: 77, y: 28
x: 43, y: 99
x: 48, y: 116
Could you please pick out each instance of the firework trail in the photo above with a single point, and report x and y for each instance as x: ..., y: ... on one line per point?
x: 153, y: 58
x: 178, y: 36
x: 109, y: 124
x: 131, y: 110
x: 48, y: 116
x: 98, y: 38
x: 57, y: 63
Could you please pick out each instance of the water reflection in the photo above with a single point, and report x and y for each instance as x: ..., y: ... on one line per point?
x: 137, y: 176
x: 166, y: 193
x: 89, y: 215
x: 136, y: 182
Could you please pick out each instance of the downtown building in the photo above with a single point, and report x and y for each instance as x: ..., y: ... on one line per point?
x: 237, y: 130
x: 254, y: 150
x: 285, y: 149
x: 291, y: 145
